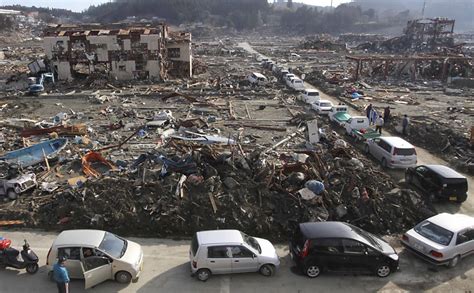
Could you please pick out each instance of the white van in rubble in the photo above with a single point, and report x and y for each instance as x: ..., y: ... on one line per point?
x: 257, y: 78
x: 97, y: 256
x: 392, y: 152
x: 231, y: 251
x: 310, y: 96
x: 297, y: 84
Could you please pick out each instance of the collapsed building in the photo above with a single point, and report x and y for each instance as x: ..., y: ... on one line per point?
x: 122, y: 52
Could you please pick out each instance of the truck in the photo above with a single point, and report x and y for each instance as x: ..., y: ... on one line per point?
x: 359, y: 128
x: 11, y: 188
x: 339, y: 114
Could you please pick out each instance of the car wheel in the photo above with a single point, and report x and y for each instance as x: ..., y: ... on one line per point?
x: 267, y: 270
x: 383, y: 163
x: 383, y: 271
x: 32, y: 268
x: 408, y: 178
x: 12, y: 194
x: 123, y: 277
x: 313, y: 271
x: 454, y: 262
x: 203, y: 274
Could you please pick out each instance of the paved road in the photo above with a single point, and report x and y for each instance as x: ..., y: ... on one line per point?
x: 166, y: 269
x: 424, y: 157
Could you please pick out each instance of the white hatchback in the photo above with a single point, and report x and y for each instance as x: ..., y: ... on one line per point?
x: 231, y: 251
x: 442, y: 239
x: 322, y: 107
x: 392, y: 152
x: 97, y: 256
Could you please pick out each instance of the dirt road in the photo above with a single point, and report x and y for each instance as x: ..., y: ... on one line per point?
x: 424, y: 157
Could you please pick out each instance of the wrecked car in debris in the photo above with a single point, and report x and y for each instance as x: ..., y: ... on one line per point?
x: 13, y: 187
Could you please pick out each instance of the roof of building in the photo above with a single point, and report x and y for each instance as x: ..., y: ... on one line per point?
x: 219, y: 236
x: 444, y: 171
x: 452, y: 222
x: 80, y: 238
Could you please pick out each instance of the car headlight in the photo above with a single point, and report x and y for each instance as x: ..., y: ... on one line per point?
x: 393, y: 256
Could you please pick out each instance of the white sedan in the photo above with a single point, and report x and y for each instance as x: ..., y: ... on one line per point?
x: 442, y: 239
x: 322, y: 107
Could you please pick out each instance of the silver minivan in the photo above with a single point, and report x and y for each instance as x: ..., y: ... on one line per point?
x: 392, y: 152
x: 231, y: 251
x: 97, y: 256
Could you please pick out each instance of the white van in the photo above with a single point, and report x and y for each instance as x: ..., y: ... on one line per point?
x: 257, y: 78
x: 392, y: 152
x: 310, y: 96
x: 297, y: 84
x: 97, y: 256
x: 231, y: 251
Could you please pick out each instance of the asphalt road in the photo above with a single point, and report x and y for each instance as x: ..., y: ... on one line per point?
x: 424, y: 157
x: 166, y: 269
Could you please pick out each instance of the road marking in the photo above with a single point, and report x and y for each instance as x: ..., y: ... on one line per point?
x: 225, y: 284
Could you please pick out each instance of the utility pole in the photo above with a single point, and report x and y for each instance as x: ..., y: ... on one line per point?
x: 423, y: 10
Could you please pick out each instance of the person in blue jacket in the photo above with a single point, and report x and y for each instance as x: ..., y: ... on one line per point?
x: 61, y: 275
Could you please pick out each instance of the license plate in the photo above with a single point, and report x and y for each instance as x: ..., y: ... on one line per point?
x: 418, y: 247
x: 455, y: 198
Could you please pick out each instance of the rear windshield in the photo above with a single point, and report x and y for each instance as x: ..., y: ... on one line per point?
x: 325, y: 105
x: 298, y: 238
x: 194, y: 244
x: 297, y: 81
x: 313, y: 94
x: 459, y: 186
x: 404, y: 152
x: 434, y: 232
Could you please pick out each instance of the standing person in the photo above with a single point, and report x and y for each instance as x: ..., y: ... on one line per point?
x: 386, y: 114
x: 373, y: 116
x: 405, y: 123
x: 61, y: 275
x: 368, y: 110
x: 379, y: 124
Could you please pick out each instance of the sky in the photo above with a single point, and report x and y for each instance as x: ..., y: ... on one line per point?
x: 80, y: 5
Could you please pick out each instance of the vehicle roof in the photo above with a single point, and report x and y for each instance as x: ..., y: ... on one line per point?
x: 397, y: 142
x: 444, y: 171
x: 311, y: 91
x: 324, y: 101
x: 80, y: 238
x: 452, y: 222
x: 258, y: 74
x: 329, y: 229
x: 219, y: 236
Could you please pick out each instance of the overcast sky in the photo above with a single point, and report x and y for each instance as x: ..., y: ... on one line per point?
x: 79, y: 5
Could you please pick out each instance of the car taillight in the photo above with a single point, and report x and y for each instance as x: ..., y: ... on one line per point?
x: 195, y: 264
x: 436, y: 254
x: 47, y: 258
x: 304, y: 253
x: 405, y: 238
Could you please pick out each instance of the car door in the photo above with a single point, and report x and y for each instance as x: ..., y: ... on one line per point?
x: 419, y: 176
x: 96, y: 270
x: 355, y: 256
x: 73, y: 261
x: 376, y: 149
x: 219, y: 259
x: 328, y: 252
x: 465, y: 242
x: 243, y: 260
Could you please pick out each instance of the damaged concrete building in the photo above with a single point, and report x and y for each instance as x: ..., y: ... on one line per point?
x: 121, y: 52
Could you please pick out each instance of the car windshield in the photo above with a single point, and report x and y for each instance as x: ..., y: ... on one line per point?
x: 252, y: 242
x: 113, y: 245
x: 434, y: 232
x: 325, y: 105
x: 371, y: 238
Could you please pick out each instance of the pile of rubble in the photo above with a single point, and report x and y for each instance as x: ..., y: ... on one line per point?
x: 263, y: 192
x: 322, y: 42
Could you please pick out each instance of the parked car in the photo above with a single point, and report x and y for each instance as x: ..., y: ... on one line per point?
x: 231, y: 251
x: 297, y: 84
x: 257, y: 78
x: 283, y: 74
x: 392, y: 152
x: 322, y: 107
x: 11, y: 188
x: 288, y: 78
x: 438, y: 181
x: 318, y: 247
x: 310, y: 96
x: 339, y: 114
x: 442, y: 239
x: 97, y: 256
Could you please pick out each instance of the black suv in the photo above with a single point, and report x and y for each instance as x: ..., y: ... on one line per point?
x: 438, y: 182
x: 340, y: 247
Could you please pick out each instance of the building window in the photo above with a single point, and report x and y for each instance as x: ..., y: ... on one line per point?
x: 174, y: 52
x: 122, y: 68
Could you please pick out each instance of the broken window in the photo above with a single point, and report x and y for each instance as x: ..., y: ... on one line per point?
x: 174, y: 52
x: 122, y: 68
